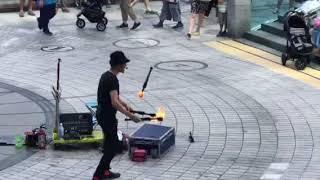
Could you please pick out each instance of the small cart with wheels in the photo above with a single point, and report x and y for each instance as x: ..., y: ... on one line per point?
x: 94, y: 13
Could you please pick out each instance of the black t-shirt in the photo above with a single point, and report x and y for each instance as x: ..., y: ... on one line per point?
x: 108, y: 82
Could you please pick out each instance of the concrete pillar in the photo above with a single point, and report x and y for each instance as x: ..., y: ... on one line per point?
x: 239, y: 13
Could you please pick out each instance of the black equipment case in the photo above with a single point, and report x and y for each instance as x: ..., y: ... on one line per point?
x: 77, y: 122
x: 155, y: 139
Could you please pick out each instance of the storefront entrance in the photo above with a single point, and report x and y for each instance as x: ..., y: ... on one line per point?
x: 263, y: 11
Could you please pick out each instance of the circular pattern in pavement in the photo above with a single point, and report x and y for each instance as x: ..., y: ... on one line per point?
x: 181, y: 65
x: 57, y: 48
x: 135, y: 43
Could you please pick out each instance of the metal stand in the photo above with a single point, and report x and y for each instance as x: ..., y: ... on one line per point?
x: 56, y: 92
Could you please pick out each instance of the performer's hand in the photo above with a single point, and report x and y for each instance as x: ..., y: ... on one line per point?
x: 135, y: 118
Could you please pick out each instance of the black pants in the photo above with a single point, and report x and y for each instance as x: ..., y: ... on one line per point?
x: 47, y: 12
x: 110, y: 147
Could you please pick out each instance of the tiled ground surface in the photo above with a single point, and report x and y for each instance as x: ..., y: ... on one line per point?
x: 248, y: 122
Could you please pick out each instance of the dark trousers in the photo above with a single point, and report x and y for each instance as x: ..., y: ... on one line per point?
x: 47, y: 12
x: 110, y: 147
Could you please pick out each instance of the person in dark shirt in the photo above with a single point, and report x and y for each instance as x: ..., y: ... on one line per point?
x: 109, y: 103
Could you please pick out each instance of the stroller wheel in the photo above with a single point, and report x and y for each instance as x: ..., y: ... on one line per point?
x: 301, y: 63
x: 81, y: 23
x: 101, y: 26
x: 284, y: 58
x: 105, y: 20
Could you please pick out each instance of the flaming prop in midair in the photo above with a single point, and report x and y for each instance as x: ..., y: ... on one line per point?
x: 141, y: 93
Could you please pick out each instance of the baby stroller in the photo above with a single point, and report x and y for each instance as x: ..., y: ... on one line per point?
x: 92, y: 10
x: 299, y: 46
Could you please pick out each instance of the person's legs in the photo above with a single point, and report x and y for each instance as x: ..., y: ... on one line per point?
x: 147, y: 5
x: 200, y: 22
x: 225, y: 23
x: 291, y: 4
x: 130, y: 12
x: 30, y: 4
x: 63, y: 6
x: 163, y: 15
x: 124, y: 12
x: 176, y: 14
x: 47, y: 13
x: 279, y: 4
x: 276, y: 10
x: 220, y: 18
x: 109, y: 150
x: 44, y: 20
x: 133, y: 17
x: 191, y: 24
x: 21, y: 13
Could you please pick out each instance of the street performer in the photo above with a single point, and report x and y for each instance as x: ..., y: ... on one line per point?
x: 109, y: 103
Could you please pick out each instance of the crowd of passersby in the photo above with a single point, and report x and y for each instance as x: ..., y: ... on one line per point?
x: 170, y: 11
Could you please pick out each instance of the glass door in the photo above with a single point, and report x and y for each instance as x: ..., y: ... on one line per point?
x: 263, y: 11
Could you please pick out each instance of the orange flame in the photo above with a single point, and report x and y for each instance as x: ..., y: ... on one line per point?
x: 161, y: 113
x: 141, y: 94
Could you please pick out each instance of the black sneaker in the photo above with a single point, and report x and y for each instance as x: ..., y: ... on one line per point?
x: 123, y: 25
x: 159, y: 25
x: 135, y: 26
x: 110, y: 175
x: 219, y: 34
x: 47, y: 32
x: 178, y: 25
x: 224, y: 33
x: 39, y: 23
x: 189, y: 35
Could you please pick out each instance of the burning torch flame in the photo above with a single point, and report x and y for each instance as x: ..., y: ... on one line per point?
x: 141, y: 94
x: 161, y: 113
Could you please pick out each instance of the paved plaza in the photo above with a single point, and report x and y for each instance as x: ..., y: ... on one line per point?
x: 248, y: 121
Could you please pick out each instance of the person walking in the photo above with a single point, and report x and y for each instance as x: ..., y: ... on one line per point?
x: 127, y: 10
x: 198, y: 9
x: 170, y: 11
x: 277, y: 9
x: 109, y: 102
x: 21, y: 5
x: 47, y: 11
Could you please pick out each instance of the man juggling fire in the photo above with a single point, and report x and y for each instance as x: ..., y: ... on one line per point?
x: 109, y: 103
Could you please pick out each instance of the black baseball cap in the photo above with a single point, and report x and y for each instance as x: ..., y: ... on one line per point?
x: 118, y: 58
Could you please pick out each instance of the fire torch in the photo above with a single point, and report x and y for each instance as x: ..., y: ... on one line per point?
x: 141, y: 93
